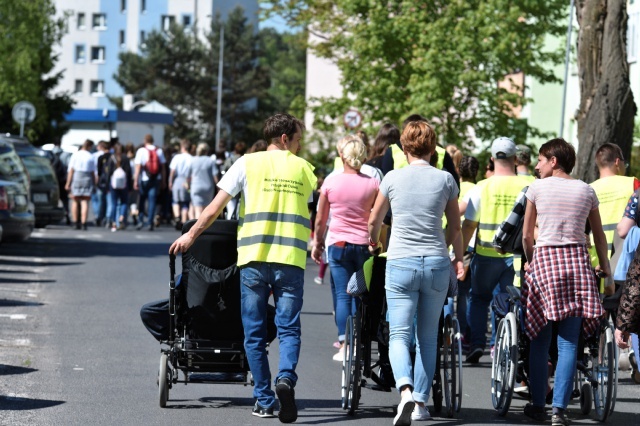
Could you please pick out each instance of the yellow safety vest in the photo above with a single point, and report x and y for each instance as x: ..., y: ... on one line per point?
x: 337, y: 163
x: 498, y: 195
x: 613, y: 193
x: 465, y: 187
x: 400, y: 160
x: 274, y: 222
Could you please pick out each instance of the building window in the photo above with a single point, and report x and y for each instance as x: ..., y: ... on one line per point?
x: 122, y: 39
x: 99, y: 21
x: 186, y: 21
x: 97, y: 87
x: 82, y: 24
x: 97, y: 54
x: 123, y: 5
x: 143, y: 6
x: 632, y: 36
x: 77, y: 87
x: 166, y: 22
x: 80, y: 54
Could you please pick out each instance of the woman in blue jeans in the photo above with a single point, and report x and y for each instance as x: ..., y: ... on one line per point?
x: 418, y: 264
x: 350, y: 196
x: 560, y: 285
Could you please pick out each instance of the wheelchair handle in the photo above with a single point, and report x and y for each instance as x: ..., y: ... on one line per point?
x: 172, y: 266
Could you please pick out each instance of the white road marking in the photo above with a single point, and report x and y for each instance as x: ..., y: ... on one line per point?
x: 14, y: 316
x: 16, y: 342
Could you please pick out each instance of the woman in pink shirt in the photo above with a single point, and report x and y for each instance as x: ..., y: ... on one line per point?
x: 350, y: 196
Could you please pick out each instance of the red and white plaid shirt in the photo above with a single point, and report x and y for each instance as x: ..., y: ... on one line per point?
x: 560, y: 283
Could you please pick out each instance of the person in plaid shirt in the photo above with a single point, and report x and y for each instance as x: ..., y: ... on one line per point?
x: 560, y: 285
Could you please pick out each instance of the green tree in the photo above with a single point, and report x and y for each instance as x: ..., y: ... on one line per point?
x: 284, y: 56
x: 442, y: 59
x: 169, y: 69
x: 180, y: 70
x: 28, y: 35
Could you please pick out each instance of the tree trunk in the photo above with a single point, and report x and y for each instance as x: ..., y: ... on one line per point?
x: 607, y: 109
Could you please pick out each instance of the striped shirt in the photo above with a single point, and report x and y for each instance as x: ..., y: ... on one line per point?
x: 563, y: 206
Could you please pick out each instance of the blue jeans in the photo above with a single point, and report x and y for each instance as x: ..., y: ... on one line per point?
x: 634, y: 345
x: 344, y: 262
x: 487, y: 273
x: 148, y: 191
x: 120, y: 203
x: 257, y: 281
x: 415, y: 284
x: 462, y: 304
x: 568, y: 335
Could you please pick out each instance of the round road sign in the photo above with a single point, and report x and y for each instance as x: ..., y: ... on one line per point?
x: 352, y: 119
x: 24, y: 112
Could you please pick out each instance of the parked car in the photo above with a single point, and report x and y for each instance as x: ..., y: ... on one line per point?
x: 45, y: 193
x: 16, y: 220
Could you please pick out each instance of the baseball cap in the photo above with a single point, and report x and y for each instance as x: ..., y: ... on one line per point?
x: 502, y: 148
x: 523, y: 154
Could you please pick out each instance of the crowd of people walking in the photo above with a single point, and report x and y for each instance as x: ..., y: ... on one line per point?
x: 144, y: 185
x: 423, y: 205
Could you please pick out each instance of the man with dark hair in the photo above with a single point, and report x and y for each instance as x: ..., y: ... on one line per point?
x: 613, y: 189
x: 100, y: 200
x: 523, y: 160
x: 274, y: 230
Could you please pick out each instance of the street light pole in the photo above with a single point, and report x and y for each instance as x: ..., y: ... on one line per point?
x: 219, y: 107
x: 566, y: 68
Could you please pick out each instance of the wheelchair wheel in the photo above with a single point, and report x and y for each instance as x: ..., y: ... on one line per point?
x: 351, y: 366
x: 448, y: 366
x: 504, y: 364
x: 603, y: 373
x: 163, y: 380
x: 457, y: 346
x: 586, y: 399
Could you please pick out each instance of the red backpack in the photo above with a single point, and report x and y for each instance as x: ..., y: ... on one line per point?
x: 152, y: 165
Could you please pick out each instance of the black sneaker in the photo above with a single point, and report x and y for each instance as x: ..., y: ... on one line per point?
x: 288, y: 410
x: 260, y: 411
x: 559, y: 419
x: 474, y: 356
x: 536, y: 413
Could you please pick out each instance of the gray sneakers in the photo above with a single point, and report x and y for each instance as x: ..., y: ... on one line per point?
x: 260, y: 411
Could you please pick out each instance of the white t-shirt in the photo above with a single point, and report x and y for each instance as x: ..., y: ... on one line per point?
x: 142, y: 156
x: 181, y: 163
x: 235, y: 180
x: 82, y: 161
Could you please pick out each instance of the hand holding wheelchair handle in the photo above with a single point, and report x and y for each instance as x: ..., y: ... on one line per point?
x: 604, y: 273
x: 622, y: 338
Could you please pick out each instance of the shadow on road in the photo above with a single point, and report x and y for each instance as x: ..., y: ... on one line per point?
x: 4, y: 303
x: 10, y: 403
x: 76, y: 248
x: 6, y: 370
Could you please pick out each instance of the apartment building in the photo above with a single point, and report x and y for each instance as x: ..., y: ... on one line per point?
x: 98, y: 30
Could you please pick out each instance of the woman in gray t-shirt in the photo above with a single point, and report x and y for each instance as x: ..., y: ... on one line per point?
x: 417, y: 275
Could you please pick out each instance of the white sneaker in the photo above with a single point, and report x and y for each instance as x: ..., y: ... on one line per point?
x: 340, y: 355
x: 317, y: 280
x: 405, y: 411
x: 420, y: 413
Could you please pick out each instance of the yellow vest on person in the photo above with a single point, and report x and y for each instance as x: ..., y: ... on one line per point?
x: 274, y: 222
x: 400, y: 160
x: 337, y: 163
x: 613, y: 192
x: 498, y: 195
x: 465, y: 187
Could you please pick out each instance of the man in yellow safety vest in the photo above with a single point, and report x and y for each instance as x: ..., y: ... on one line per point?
x: 490, y: 202
x: 274, y: 230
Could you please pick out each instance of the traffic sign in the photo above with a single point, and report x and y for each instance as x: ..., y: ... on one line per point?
x: 352, y: 119
x: 24, y: 113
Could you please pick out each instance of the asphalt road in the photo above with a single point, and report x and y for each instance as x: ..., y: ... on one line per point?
x: 73, y: 350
